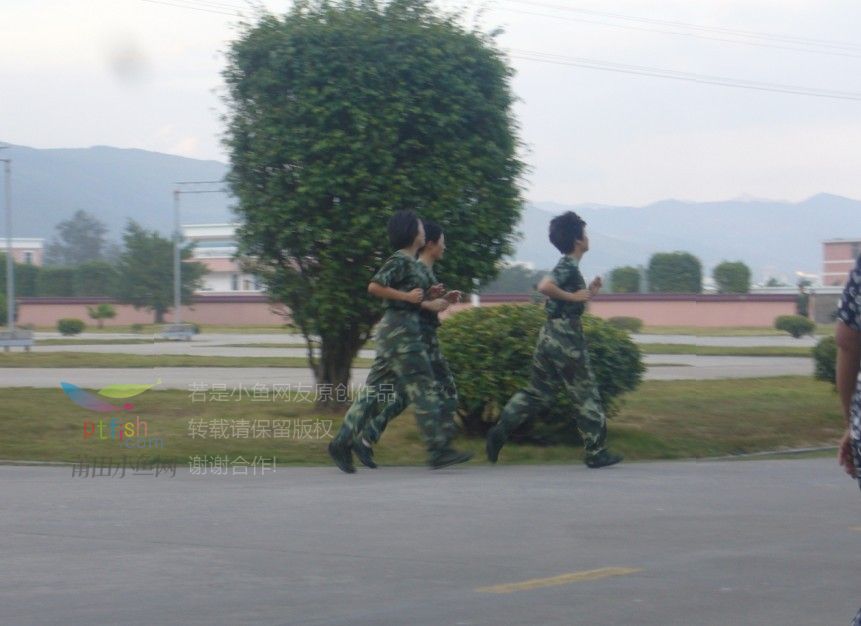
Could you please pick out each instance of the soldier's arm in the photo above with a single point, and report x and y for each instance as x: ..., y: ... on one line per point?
x: 554, y: 291
x: 848, y: 357
x: 388, y: 293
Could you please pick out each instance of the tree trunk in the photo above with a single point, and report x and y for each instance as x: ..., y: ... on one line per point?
x: 332, y: 369
x: 159, y: 316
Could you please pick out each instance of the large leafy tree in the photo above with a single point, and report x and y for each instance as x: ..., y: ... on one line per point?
x: 79, y: 239
x: 732, y: 277
x: 625, y: 279
x: 145, y: 272
x: 675, y: 272
x: 514, y: 279
x: 341, y: 113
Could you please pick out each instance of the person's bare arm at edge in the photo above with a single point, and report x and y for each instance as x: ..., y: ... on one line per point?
x: 848, y: 363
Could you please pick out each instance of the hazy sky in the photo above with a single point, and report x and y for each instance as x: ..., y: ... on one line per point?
x: 146, y: 74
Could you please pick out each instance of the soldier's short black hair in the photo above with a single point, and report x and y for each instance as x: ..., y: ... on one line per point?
x: 433, y: 231
x: 403, y: 228
x: 566, y: 230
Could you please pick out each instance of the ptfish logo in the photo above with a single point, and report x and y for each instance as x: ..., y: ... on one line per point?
x: 116, y: 392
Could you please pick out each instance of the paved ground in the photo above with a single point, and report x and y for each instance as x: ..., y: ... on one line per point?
x: 734, y: 342
x: 223, y: 344
x: 664, y: 367
x: 712, y: 543
x: 660, y: 367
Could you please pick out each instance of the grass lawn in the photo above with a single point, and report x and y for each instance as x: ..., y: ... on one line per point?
x: 661, y: 420
x: 99, y: 359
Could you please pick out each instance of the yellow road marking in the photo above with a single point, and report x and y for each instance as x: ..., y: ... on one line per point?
x: 564, y: 579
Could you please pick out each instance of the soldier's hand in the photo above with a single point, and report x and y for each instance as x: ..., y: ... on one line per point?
x: 844, y: 455
x: 415, y: 296
x: 583, y: 295
x: 437, y: 306
x: 453, y: 296
x: 596, y: 285
x: 436, y: 291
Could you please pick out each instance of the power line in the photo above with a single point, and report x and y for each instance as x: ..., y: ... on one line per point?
x: 655, y: 72
x: 759, y: 44
x: 719, y: 29
x: 193, y: 8
x: 723, y: 81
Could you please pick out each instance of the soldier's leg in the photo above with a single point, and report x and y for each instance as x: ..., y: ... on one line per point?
x: 445, y: 383
x: 396, y: 405
x: 365, y: 405
x: 398, y: 402
x: 416, y: 381
x: 581, y: 386
x: 524, y: 404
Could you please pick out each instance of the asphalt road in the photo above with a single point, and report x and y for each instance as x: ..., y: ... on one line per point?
x: 712, y: 543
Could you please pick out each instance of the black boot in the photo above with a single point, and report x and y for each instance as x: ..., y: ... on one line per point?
x: 343, y: 457
x: 495, y: 441
x: 604, y: 458
x: 448, y: 456
x: 365, y: 454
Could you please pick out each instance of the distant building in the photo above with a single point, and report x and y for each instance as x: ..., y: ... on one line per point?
x: 215, y: 247
x: 25, y: 250
x: 839, y: 256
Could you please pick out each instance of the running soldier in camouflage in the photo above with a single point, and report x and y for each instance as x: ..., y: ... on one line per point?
x: 402, y: 363
x: 433, y: 250
x: 560, y: 363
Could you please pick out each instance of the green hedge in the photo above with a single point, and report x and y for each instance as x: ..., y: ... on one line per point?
x: 795, y: 325
x: 490, y: 351
x: 825, y: 357
x: 70, y: 326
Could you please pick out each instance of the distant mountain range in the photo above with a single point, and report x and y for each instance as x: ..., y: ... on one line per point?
x: 774, y: 238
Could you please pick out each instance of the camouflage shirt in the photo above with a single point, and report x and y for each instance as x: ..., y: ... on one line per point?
x: 429, y: 320
x: 566, y: 275
x: 400, y: 272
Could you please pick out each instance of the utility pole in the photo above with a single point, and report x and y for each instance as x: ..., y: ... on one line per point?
x: 11, y: 337
x: 10, y: 261
x: 179, y: 330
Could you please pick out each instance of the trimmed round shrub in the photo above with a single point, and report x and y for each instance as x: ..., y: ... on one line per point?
x: 490, y: 351
x: 825, y: 357
x: 795, y: 325
x: 70, y: 326
x: 630, y: 324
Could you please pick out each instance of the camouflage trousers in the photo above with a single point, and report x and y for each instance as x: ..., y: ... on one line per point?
x: 385, y: 411
x: 560, y: 365
x: 407, y: 376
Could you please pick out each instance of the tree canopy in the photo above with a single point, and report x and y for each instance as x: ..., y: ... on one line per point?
x: 341, y: 113
x: 675, y: 272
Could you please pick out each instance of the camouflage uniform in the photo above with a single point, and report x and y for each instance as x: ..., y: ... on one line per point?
x: 443, y: 379
x: 560, y: 364
x: 402, y: 364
